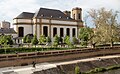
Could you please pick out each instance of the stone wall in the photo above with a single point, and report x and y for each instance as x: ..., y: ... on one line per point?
x: 84, y: 66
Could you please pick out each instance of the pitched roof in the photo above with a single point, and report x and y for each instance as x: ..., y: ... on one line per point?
x: 7, y: 31
x: 45, y: 13
x: 26, y: 15
x: 51, y: 13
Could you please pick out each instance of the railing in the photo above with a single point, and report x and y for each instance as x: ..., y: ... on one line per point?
x: 4, y: 57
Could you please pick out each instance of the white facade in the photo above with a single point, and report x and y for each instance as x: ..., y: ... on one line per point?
x: 63, y: 22
x: 31, y: 28
x: 48, y: 22
x: 28, y: 29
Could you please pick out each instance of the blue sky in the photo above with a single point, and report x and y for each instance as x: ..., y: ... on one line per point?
x: 11, y: 8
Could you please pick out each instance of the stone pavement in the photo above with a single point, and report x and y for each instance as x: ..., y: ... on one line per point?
x: 44, y: 66
x: 26, y: 69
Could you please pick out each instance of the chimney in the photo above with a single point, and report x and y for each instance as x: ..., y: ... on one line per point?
x: 68, y: 13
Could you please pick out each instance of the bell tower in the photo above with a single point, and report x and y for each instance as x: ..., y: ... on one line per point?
x: 77, y: 14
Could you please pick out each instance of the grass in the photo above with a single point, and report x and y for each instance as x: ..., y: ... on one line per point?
x: 97, y: 70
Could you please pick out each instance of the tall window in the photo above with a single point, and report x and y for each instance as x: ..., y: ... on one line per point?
x: 45, y: 31
x: 61, y: 32
x: 54, y: 31
x: 68, y: 32
x: 73, y: 32
x: 21, y: 32
x: 73, y: 16
x: 79, y: 16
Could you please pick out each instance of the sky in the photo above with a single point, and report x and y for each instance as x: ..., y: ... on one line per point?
x: 9, y: 9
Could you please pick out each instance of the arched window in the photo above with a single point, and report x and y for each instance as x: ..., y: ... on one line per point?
x: 54, y: 31
x: 61, y: 32
x: 45, y: 31
x: 68, y: 32
x: 73, y: 32
x: 20, y: 32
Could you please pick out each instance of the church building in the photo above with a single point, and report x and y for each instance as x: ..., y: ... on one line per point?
x: 49, y: 22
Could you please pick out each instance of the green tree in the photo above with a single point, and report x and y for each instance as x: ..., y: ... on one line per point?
x: 56, y: 41
x: 86, y: 34
x: 74, y: 40
x: 6, y: 40
x: 10, y: 40
x: 24, y: 39
x: 28, y: 39
x: 48, y: 39
x: 35, y: 40
x: 77, y: 70
x: 67, y: 41
x: 42, y: 39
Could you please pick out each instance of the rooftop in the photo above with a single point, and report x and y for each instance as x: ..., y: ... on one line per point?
x: 45, y: 13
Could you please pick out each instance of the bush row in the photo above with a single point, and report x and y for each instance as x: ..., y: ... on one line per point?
x: 20, y: 50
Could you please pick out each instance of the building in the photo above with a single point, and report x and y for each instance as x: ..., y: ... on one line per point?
x: 5, y: 29
x: 49, y: 22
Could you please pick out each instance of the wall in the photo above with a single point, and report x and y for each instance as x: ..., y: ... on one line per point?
x: 84, y: 66
x: 28, y: 29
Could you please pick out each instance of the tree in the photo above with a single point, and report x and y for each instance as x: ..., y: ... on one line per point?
x: 42, y: 39
x: 106, y: 25
x: 6, y: 40
x: 48, y: 39
x: 28, y: 39
x: 35, y: 40
x: 9, y: 38
x: 24, y: 39
x: 74, y: 40
x: 56, y: 41
x: 85, y: 35
x: 67, y: 41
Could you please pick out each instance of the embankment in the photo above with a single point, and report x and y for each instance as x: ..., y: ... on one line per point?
x: 84, y: 66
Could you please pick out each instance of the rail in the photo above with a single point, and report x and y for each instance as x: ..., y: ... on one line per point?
x: 4, y: 57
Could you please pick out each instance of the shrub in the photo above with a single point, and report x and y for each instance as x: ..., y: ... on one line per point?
x: 6, y: 40
x: 67, y: 41
x: 96, y: 70
x: 56, y: 41
x: 28, y: 38
x: 20, y: 50
x: 48, y: 39
x: 113, y: 67
x: 77, y: 70
x: 42, y: 39
x: 74, y: 40
x: 35, y: 40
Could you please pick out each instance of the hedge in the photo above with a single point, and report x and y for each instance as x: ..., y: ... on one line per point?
x: 21, y: 50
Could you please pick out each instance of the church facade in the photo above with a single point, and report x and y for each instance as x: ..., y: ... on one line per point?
x: 49, y: 22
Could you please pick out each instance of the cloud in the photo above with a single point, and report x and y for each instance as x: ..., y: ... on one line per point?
x: 12, y: 8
